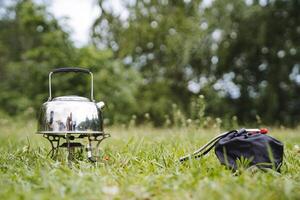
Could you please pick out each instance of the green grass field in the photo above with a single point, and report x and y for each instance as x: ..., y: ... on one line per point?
x: 141, y: 163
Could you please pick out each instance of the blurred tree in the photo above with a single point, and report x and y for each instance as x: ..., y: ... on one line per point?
x: 260, y: 47
x: 32, y: 42
x: 114, y: 84
x: 158, y: 38
x: 242, y: 55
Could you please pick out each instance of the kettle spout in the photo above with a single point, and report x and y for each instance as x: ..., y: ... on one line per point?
x: 100, y: 105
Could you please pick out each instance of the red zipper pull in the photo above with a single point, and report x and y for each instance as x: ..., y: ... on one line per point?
x: 264, y: 131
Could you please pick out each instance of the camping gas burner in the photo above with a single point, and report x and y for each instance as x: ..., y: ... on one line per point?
x: 72, y: 118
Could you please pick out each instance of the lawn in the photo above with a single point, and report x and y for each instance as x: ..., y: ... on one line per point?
x: 141, y: 163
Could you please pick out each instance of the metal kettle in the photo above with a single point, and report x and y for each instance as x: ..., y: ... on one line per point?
x: 71, y: 118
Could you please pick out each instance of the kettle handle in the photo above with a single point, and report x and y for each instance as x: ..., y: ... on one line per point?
x: 71, y: 69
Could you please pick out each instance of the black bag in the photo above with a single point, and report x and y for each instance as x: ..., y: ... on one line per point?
x: 258, y: 149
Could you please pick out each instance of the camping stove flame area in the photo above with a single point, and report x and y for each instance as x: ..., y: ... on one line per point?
x: 69, y: 121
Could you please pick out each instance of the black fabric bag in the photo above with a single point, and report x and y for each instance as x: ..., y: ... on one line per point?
x: 260, y: 150
x: 231, y: 147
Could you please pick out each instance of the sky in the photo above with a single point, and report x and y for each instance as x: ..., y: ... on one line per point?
x: 81, y: 15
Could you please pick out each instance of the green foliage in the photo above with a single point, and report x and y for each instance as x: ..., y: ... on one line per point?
x: 243, y: 56
x: 197, y: 110
x: 260, y: 46
x: 114, y: 83
x: 35, y: 43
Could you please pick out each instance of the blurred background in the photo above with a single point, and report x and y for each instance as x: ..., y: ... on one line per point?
x: 160, y: 61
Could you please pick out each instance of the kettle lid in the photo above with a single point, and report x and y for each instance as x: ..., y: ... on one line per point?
x: 71, y: 98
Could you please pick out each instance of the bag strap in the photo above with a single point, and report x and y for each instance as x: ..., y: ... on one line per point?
x: 206, y: 148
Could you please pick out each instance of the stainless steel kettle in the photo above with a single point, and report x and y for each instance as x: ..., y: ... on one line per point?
x: 71, y: 118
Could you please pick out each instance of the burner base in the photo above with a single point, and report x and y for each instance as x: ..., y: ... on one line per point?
x: 93, y: 142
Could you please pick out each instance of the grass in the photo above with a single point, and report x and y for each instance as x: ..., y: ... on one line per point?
x: 141, y: 163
